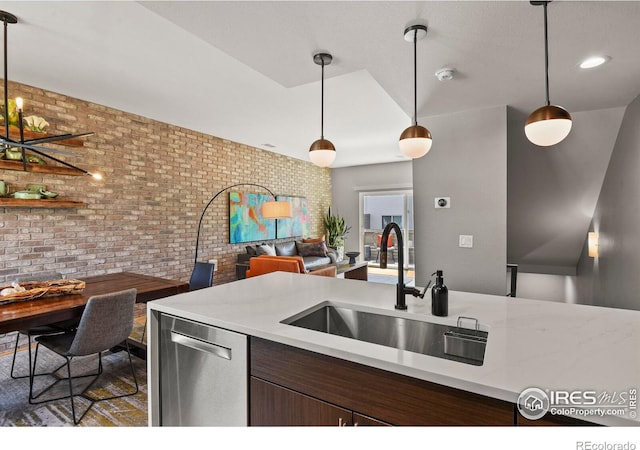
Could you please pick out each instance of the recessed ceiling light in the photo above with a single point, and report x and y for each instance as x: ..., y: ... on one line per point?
x: 594, y: 61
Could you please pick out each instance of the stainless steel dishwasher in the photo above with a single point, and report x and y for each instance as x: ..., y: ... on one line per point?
x: 203, y: 375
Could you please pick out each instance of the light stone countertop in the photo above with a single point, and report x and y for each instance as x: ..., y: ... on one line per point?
x: 554, y: 346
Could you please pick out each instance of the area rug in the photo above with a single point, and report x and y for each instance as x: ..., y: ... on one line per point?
x: 116, y: 379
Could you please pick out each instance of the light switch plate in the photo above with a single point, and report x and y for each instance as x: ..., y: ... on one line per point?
x: 442, y: 202
x: 466, y: 241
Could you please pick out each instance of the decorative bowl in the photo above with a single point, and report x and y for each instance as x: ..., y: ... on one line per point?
x: 48, y: 194
x: 28, y: 195
x: 352, y: 256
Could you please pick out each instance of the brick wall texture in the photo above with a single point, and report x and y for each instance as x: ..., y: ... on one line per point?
x: 143, y: 216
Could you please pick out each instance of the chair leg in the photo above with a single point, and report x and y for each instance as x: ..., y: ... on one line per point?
x: 15, y: 352
x: 83, y: 394
x: 73, y: 409
x: 32, y: 369
x: 133, y: 372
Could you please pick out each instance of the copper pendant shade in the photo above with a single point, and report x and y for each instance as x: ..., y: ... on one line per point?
x: 415, y: 141
x: 322, y: 152
x: 549, y: 124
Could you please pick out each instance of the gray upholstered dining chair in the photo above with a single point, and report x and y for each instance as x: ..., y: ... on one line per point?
x: 106, y: 322
x: 53, y: 328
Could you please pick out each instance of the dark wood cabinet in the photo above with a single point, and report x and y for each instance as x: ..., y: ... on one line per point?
x: 273, y: 405
x: 372, y: 395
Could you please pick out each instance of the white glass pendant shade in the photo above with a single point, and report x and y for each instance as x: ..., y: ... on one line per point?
x: 322, y: 153
x: 276, y: 210
x: 415, y: 142
x: 548, y: 125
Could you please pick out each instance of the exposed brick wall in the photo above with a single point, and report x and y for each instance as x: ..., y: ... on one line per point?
x: 143, y: 217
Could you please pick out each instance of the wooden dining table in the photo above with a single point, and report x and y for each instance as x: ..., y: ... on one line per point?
x: 46, y: 310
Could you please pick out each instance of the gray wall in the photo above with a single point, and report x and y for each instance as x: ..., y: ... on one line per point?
x: 468, y: 162
x: 554, y: 288
x: 613, y: 278
x: 348, y: 182
x: 553, y: 191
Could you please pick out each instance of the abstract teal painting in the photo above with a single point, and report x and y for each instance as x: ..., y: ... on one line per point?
x: 298, y: 224
x: 246, y: 223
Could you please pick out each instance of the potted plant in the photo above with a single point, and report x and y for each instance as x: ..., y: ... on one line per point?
x: 336, y: 229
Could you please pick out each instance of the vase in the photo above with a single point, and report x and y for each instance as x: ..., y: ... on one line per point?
x: 340, y: 251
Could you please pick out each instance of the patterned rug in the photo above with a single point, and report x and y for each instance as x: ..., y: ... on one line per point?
x: 15, y: 410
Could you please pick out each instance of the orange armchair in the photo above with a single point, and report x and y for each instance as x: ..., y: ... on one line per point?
x: 390, y: 247
x: 262, y: 264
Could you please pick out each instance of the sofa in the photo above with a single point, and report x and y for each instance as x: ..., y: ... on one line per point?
x: 259, y: 265
x: 314, y: 253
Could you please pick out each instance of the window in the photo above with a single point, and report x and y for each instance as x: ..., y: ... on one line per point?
x: 386, y: 220
x: 377, y: 210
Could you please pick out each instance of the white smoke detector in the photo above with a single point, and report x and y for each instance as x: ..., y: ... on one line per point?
x: 445, y: 74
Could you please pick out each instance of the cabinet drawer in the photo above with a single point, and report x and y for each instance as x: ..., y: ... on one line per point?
x: 275, y: 406
x: 385, y: 396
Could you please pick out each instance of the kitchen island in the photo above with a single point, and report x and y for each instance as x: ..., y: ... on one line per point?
x: 551, y: 346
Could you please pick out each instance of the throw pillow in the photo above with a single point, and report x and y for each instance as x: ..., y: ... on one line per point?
x: 286, y: 249
x: 265, y: 249
x: 312, y: 240
x: 251, y: 250
x: 311, y: 248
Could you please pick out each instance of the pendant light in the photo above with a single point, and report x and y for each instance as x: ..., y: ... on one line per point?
x: 549, y: 124
x: 322, y: 152
x: 415, y: 141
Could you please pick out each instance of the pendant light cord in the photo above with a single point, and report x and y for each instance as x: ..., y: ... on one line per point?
x: 415, y: 77
x: 322, y: 104
x: 546, y: 53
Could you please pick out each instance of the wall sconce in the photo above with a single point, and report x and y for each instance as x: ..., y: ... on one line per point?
x: 593, y: 244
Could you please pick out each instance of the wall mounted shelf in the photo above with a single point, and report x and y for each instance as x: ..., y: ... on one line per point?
x: 23, y: 203
x: 14, y: 133
x: 38, y: 168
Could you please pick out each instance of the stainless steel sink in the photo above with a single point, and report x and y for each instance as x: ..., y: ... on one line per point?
x: 443, y: 341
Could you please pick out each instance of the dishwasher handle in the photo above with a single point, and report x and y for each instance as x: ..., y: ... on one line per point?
x: 203, y: 346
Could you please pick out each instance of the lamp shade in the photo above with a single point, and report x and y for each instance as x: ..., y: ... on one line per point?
x: 593, y: 244
x: 415, y: 141
x: 548, y: 125
x: 322, y: 153
x: 276, y: 210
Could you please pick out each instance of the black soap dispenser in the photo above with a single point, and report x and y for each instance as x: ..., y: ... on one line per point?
x: 439, y: 296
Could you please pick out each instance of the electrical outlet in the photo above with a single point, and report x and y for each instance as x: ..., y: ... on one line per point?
x: 442, y: 202
x: 466, y: 241
x: 215, y: 264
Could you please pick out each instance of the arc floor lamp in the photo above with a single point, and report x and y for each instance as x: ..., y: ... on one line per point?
x: 270, y: 210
